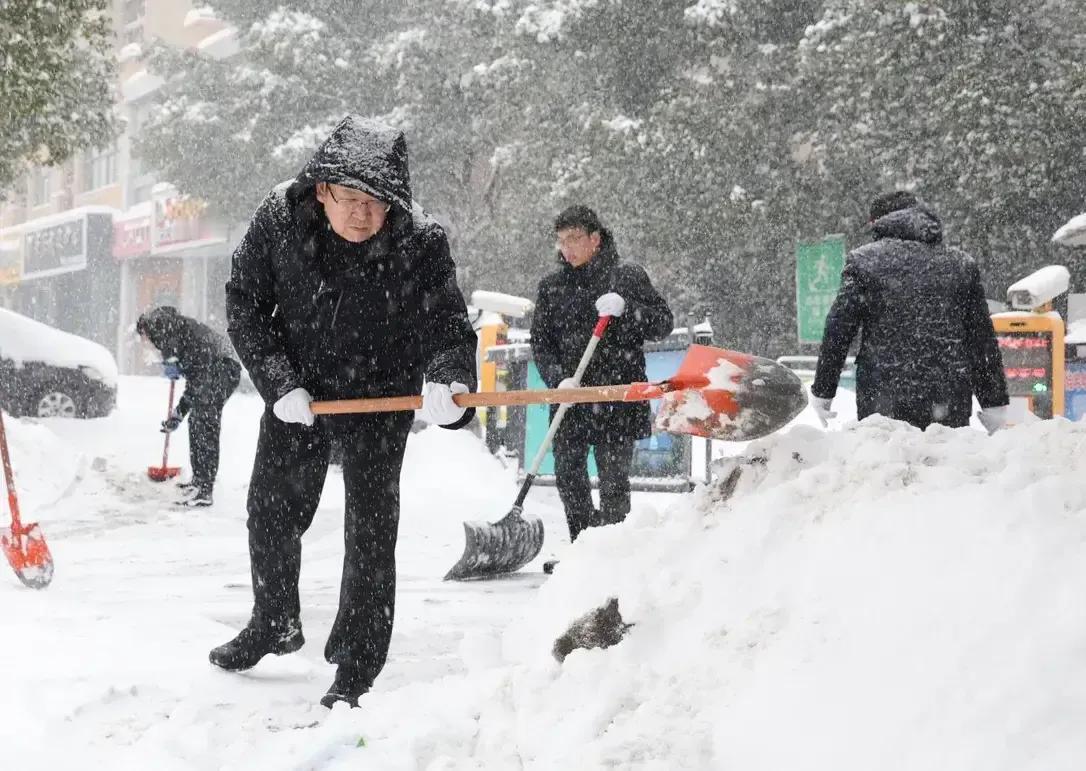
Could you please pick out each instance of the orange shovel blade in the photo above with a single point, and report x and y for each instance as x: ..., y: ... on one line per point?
x: 162, y: 473
x: 722, y: 394
x: 28, y: 555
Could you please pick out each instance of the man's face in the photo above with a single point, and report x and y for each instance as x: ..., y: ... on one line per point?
x: 354, y: 216
x: 578, y: 246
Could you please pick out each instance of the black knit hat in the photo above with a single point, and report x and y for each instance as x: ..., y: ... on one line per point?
x: 884, y: 203
x: 578, y: 217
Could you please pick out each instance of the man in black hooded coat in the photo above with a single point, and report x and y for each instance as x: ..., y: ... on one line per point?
x: 211, y: 373
x: 927, y: 343
x: 341, y: 288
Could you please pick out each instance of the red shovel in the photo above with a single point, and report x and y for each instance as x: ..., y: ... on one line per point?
x: 23, y: 545
x: 164, y: 472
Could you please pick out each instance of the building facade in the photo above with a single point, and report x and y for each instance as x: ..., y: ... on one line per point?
x: 89, y: 245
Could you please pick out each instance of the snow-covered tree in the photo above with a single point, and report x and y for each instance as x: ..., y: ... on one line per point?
x: 56, y: 76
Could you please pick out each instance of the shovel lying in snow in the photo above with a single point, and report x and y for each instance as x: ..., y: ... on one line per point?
x: 716, y: 393
x: 164, y: 472
x: 23, y: 545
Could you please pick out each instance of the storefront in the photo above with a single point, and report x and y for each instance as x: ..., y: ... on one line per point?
x: 170, y: 253
x: 60, y: 270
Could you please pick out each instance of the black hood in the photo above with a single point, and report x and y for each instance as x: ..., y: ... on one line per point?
x: 161, y: 325
x: 362, y: 154
x: 916, y: 223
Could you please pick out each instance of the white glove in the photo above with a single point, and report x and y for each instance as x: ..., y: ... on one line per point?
x: 610, y: 304
x: 569, y: 382
x: 993, y: 418
x: 823, y: 409
x: 294, y: 407
x: 438, y: 406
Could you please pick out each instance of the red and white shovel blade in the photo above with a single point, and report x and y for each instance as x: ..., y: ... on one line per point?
x: 728, y: 395
x: 28, y: 555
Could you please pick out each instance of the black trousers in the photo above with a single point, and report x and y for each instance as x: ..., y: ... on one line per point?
x: 288, y: 476
x: 205, y: 427
x: 207, y: 399
x: 613, y: 459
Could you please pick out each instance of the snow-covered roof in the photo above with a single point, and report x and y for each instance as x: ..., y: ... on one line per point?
x: 1073, y: 233
x: 199, y: 15
x: 220, y: 45
x: 25, y: 340
x: 129, y: 52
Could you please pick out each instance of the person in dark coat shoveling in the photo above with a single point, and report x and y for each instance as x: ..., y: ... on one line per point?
x: 341, y: 288
x: 212, y: 373
x: 593, y: 282
x: 927, y: 345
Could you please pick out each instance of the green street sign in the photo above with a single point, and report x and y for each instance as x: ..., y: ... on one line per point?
x: 818, y: 276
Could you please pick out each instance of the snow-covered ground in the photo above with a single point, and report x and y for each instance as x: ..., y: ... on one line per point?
x: 870, y: 597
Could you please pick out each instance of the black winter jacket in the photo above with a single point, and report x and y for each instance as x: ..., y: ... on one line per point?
x: 204, y: 356
x: 309, y: 309
x: 926, y: 336
x: 565, y: 316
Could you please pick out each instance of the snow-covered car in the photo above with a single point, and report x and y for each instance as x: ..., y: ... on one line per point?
x: 45, y: 372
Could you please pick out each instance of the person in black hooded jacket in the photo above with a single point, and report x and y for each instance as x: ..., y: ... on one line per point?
x: 927, y: 342
x: 593, y: 282
x: 341, y: 288
x: 211, y: 373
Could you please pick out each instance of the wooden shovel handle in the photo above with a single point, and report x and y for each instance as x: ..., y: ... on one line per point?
x: 610, y: 393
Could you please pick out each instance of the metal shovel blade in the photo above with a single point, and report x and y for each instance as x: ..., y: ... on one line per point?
x: 28, y: 555
x: 493, y: 548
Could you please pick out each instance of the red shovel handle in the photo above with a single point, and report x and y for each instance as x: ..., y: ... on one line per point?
x: 9, y: 480
x: 166, y: 441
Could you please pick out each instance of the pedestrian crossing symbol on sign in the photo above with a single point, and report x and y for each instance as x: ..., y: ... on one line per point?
x: 818, y: 276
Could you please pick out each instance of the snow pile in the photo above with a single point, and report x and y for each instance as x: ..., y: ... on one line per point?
x: 44, y: 467
x: 872, y: 598
x: 876, y: 598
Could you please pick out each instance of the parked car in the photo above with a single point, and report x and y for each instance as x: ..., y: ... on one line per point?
x: 47, y: 373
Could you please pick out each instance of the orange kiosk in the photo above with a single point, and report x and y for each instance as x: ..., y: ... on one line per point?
x: 1031, y: 342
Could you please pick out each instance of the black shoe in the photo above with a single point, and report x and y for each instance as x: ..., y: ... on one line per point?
x: 549, y: 566
x: 349, y: 685
x: 197, y: 497
x: 254, y: 643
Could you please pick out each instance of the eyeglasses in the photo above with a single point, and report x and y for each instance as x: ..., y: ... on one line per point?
x: 571, y: 238
x: 367, y: 206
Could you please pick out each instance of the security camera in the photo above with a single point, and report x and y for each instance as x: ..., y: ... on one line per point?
x: 505, y: 304
x: 1039, y: 288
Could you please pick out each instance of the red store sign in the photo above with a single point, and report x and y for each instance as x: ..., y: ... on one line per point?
x: 132, y: 237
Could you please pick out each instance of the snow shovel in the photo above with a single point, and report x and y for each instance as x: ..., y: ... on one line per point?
x: 513, y: 541
x: 23, y: 545
x: 717, y: 394
x: 164, y: 472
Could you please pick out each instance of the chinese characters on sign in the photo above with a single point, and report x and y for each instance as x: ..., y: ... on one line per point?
x: 54, y: 249
x: 1027, y: 362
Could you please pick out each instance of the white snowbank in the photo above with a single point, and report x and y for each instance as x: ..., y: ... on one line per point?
x: 25, y: 340
x: 872, y: 598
